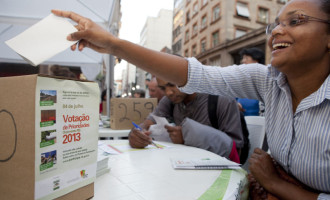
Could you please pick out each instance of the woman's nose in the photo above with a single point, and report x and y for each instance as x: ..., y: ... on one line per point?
x: 279, y: 29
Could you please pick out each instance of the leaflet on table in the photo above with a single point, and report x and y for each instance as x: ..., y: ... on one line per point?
x: 104, y: 148
x: 204, y: 163
x: 66, y: 136
x: 123, y: 146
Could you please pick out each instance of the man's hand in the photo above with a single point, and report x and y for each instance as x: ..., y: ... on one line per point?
x: 175, y: 134
x: 89, y: 33
x: 139, y: 139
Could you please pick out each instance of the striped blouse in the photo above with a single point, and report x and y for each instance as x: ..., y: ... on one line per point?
x: 300, y: 141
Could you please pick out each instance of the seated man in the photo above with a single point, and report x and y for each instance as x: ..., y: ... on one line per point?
x: 139, y: 93
x: 190, y: 113
x: 154, y: 90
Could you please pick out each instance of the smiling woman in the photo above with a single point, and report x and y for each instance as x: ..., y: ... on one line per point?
x: 295, y: 89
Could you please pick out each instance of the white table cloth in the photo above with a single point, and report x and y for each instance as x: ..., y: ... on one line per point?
x: 148, y: 174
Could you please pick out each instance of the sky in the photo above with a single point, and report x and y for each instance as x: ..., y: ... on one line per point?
x: 134, y: 17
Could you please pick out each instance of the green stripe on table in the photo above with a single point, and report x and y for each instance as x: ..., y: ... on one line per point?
x: 218, y: 188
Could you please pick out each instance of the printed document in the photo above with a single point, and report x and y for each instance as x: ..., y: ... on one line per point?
x: 204, y: 163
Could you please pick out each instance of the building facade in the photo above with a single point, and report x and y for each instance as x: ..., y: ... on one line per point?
x: 214, y: 31
x: 178, y: 26
x: 156, y: 34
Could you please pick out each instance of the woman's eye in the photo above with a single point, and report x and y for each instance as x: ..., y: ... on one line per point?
x: 294, y: 22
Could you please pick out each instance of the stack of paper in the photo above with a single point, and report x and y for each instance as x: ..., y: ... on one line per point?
x: 102, y: 166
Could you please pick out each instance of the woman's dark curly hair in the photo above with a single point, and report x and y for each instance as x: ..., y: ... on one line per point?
x: 325, y: 6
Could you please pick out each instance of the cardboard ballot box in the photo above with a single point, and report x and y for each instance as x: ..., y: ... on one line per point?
x: 124, y: 111
x: 48, y: 138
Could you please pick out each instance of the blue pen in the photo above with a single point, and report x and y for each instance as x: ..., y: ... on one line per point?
x: 140, y: 129
x: 137, y: 126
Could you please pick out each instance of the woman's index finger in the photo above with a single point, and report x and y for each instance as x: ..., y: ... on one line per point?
x: 68, y: 14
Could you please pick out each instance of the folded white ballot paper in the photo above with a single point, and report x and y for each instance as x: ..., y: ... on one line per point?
x: 43, y: 40
x: 158, y: 130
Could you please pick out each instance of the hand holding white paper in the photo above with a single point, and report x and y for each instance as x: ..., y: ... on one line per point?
x: 43, y: 40
x: 158, y: 130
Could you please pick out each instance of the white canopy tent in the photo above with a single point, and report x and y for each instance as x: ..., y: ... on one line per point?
x: 17, y: 15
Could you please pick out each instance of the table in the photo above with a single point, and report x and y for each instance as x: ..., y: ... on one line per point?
x: 148, y: 174
x: 115, y: 134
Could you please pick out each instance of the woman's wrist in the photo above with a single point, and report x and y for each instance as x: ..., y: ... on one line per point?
x: 113, y: 45
x: 273, y: 185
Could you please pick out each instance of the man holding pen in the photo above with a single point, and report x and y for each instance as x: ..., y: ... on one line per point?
x: 193, y: 125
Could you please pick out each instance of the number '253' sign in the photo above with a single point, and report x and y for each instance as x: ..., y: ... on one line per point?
x: 124, y: 111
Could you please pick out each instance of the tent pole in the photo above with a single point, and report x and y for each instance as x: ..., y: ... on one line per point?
x: 114, y: 30
x: 110, y: 89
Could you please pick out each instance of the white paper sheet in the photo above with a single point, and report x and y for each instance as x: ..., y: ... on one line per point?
x: 158, y: 130
x: 105, y: 148
x: 43, y: 40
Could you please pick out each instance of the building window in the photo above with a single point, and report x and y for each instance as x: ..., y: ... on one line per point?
x: 195, y: 9
x: 177, y: 3
x: 215, y: 61
x: 215, y: 38
x: 282, y: 1
x: 195, y: 29
x: 203, y: 45
x: 177, y: 47
x: 186, y: 39
x: 178, y: 17
x: 186, y: 53
x: 194, y: 50
x: 204, y: 2
x: 177, y: 32
x: 263, y: 15
x: 204, y: 22
x: 239, y: 33
x: 216, y: 12
x: 242, y: 9
x: 187, y: 17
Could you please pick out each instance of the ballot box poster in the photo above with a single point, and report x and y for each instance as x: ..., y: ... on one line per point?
x: 60, y: 150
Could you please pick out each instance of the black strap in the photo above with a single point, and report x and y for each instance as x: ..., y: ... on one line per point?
x: 212, y: 108
x: 245, y: 150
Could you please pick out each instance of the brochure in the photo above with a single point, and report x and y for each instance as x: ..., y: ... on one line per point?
x: 204, y: 163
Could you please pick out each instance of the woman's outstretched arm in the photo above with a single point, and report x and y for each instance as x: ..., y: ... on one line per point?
x: 165, y: 66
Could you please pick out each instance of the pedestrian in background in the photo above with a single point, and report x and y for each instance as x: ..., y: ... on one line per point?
x: 251, y: 107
